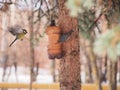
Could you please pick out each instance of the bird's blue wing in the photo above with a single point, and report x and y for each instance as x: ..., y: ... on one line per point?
x: 65, y: 36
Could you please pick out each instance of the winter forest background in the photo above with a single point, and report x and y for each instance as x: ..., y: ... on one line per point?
x: 99, y: 42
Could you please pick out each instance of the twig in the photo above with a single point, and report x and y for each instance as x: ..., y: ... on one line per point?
x: 44, y: 14
x: 95, y: 21
x: 37, y: 2
x: 47, y: 6
x: 26, y: 2
x: 104, y: 10
x: 98, y: 28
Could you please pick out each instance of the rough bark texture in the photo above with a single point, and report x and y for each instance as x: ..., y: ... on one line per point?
x: 70, y: 63
x: 112, y: 75
x: 32, y: 58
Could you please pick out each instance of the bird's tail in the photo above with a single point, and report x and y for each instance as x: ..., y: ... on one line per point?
x: 12, y: 42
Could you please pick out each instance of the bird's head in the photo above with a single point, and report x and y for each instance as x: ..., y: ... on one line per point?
x: 24, y: 31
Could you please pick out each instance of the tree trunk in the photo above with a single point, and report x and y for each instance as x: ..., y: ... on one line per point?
x: 70, y: 63
x: 112, y: 75
x: 32, y: 58
x: 4, y: 49
x: 4, y: 30
x: 53, y: 71
x: 95, y: 70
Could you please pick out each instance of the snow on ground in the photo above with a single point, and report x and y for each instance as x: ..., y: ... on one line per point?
x: 23, y: 76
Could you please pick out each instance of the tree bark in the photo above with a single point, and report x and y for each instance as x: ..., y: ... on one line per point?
x: 32, y: 51
x: 70, y: 63
x: 112, y: 75
x: 4, y: 43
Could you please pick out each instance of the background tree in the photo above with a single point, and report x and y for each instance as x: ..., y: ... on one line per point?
x: 89, y: 27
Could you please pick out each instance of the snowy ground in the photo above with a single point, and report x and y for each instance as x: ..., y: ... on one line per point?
x: 23, y: 76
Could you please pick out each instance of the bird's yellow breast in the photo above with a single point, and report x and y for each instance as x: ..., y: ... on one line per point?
x: 21, y: 36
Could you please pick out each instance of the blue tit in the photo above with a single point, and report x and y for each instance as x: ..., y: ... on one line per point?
x: 18, y: 32
x: 64, y: 37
